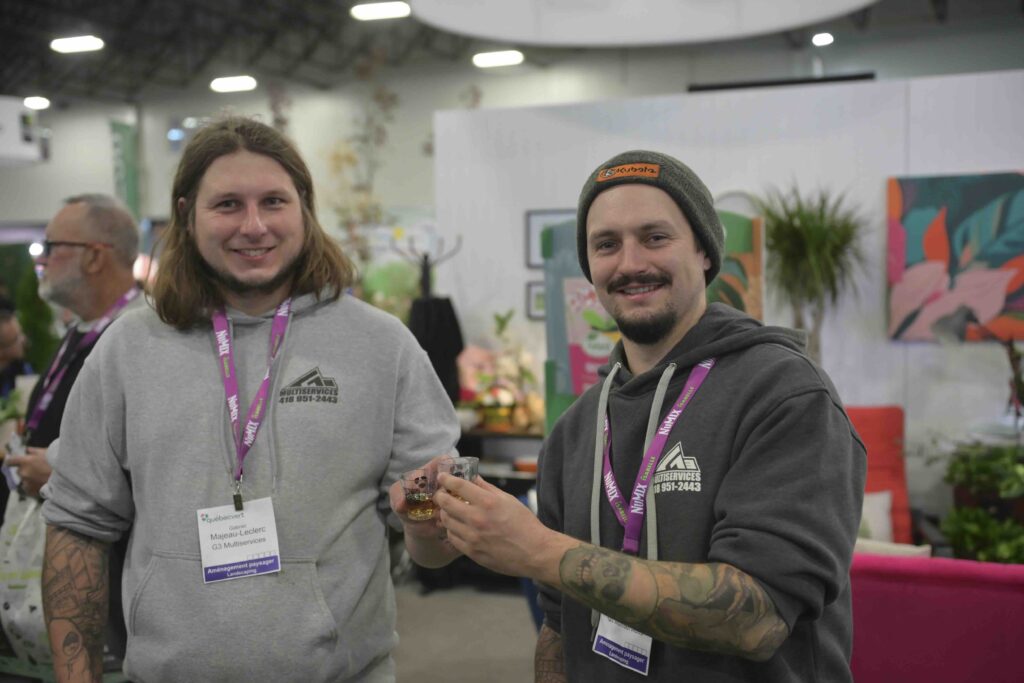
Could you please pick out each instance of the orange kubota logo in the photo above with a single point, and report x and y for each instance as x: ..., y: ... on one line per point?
x: 628, y: 171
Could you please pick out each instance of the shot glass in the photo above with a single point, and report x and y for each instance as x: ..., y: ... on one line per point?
x: 463, y: 467
x: 419, y: 486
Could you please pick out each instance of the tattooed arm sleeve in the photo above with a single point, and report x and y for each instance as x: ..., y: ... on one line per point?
x: 75, y: 594
x: 548, y: 664
x: 712, y: 607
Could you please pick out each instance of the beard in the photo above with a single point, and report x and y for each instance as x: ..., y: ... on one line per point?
x: 647, y: 330
x: 62, y: 292
x: 644, y: 328
x: 226, y: 281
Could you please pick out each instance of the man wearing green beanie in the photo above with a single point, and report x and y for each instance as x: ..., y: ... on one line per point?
x: 714, y: 540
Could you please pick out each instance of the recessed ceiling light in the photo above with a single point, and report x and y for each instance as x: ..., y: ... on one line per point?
x: 76, y: 44
x: 233, y: 84
x: 487, y: 60
x: 380, y: 10
x: 822, y: 39
x: 37, y: 103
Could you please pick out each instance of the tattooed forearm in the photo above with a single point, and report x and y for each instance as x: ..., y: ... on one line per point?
x: 712, y: 607
x: 548, y: 663
x: 75, y: 593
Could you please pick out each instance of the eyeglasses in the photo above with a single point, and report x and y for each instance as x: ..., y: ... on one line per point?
x: 48, y: 245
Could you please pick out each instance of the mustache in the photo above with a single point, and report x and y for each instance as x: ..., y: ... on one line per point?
x: 639, y: 279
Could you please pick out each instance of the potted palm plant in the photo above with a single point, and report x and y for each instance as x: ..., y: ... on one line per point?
x: 814, y: 254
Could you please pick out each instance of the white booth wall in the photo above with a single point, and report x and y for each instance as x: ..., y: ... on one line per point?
x: 493, y: 166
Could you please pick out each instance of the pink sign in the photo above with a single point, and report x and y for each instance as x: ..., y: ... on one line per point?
x: 590, y: 330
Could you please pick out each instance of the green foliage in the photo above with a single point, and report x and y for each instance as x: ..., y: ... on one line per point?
x: 392, y: 286
x: 36, y: 318
x: 9, y: 406
x: 987, y: 469
x: 976, y: 534
x: 814, y: 248
x: 501, y: 321
x: 598, y: 322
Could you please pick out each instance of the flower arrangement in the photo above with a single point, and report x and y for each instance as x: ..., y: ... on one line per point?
x: 501, y: 384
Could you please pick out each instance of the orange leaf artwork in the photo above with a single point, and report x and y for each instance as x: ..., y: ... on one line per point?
x: 956, y: 255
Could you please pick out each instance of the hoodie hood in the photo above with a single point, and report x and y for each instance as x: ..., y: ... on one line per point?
x: 720, y: 331
x: 301, y: 304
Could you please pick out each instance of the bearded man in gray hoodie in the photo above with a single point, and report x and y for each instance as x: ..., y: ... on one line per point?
x: 245, y: 433
x: 698, y: 508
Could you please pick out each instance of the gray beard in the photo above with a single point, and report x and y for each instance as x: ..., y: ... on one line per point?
x: 63, y: 293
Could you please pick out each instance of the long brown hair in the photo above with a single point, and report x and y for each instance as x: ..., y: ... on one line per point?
x: 184, y: 293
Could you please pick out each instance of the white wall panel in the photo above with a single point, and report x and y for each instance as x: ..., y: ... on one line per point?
x: 494, y: 165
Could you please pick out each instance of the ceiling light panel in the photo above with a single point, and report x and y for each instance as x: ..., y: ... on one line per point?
x: 76, y: 44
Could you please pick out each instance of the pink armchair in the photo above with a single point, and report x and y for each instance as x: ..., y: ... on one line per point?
x: 936, y: 620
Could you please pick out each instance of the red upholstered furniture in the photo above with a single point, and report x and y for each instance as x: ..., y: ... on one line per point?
x: 881, y: 430
x: 936, y: 620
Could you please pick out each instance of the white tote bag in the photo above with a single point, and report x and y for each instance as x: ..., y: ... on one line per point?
x: 22, y: 541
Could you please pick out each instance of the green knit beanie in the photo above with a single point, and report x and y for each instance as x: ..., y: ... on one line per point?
x: 665, y: 173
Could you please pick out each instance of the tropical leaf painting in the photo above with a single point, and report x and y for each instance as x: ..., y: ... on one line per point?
x: 956, y: 257
x: 740, y: 279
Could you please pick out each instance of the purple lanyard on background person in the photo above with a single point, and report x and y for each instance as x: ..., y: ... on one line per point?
x: 245, y: 438
x: 57, y: 371
x: 632, y: 518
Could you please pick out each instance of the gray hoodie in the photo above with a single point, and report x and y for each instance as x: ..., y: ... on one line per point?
x: 762, y: 471
x: 146, y: 443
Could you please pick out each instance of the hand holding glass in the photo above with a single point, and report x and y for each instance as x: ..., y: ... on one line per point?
x: 462, y: 467
x: 419, y: 486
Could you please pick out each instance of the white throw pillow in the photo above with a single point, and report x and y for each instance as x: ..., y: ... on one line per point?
x: 866, y: 545
x: 876, y: 517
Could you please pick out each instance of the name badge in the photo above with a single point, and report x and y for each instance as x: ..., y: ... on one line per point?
x: 14, y: 446
x: 623, y: 645
x: 235, y: 544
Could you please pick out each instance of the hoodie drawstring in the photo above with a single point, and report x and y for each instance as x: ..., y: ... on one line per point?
x: 275, y: 383
x: 597, y: 490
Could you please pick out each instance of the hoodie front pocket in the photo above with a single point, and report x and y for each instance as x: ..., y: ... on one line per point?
x: 274, y: 626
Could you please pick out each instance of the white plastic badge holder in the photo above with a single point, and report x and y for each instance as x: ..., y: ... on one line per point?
x: 625, y: 646
x: 235, y: 544
x: 14, y: 446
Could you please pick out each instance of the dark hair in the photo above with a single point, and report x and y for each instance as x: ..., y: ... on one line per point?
x: 184, y: 293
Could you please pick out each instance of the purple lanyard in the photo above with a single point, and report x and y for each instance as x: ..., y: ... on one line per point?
x: 54, y: 376
x: 632, y: 518
x: 245, y: 438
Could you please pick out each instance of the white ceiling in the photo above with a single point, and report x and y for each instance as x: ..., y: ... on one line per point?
x: 612, y: 23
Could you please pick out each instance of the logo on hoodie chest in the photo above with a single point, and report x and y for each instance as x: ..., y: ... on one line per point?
x: 677, y: 472
x: 311, y: 387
